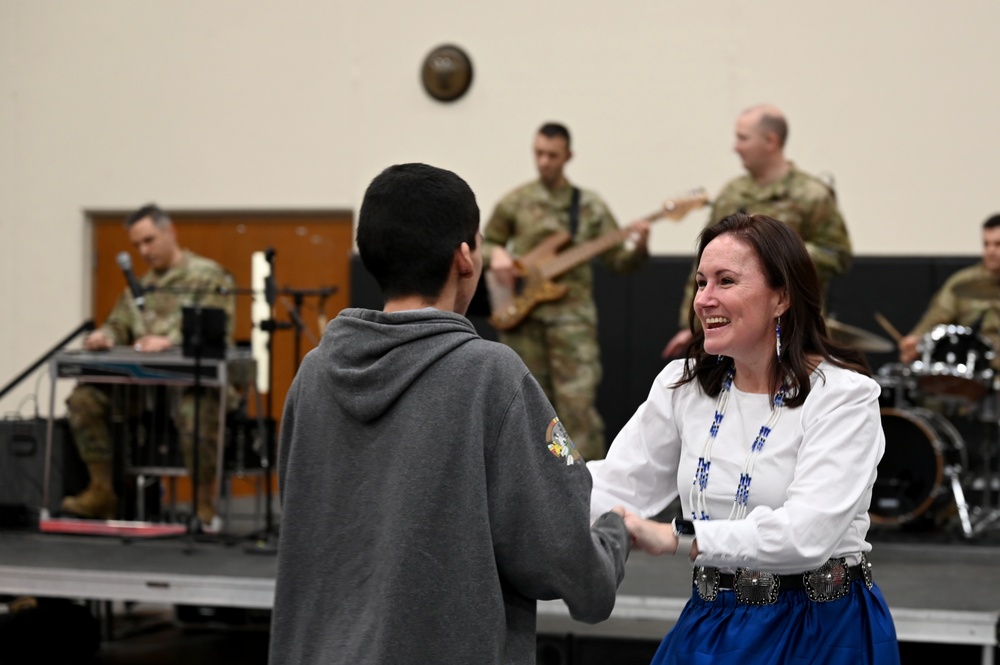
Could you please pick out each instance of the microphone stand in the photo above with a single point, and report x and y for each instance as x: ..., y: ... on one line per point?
x: 86, y: 326
x: 265, y: 541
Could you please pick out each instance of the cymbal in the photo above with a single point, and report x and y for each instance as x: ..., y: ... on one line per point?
x: 983, y: 289
x: 860, y: 339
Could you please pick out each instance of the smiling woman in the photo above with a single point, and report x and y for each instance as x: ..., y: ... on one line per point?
x: 769, y: 432
x: 739, y: 310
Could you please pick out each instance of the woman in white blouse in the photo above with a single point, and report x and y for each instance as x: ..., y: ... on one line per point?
x: 770, y: 433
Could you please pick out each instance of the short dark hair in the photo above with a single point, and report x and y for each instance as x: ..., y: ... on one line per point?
x: 150, y: 210
x: 413, y: 217
x: 787, y: 265
x: 992, y: 222
x: 554, y: 130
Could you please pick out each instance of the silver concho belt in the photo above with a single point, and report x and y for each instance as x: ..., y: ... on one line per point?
x: 829, y: 582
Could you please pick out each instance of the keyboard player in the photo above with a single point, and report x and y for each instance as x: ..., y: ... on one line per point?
x: 147, y: 317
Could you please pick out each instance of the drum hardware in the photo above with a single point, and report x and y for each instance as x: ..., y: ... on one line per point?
x: 860, y: 339
x: 923, y: 450
x: 954, y: 364
x: 899, y: 386
x: 925, y: 472
x: 986, y: 515
x: 955, y: 479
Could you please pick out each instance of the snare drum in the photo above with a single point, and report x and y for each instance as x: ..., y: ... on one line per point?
x: 954, y: 364
x: 920, y: 446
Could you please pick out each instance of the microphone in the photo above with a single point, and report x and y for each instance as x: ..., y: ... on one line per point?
x: 125, y: 263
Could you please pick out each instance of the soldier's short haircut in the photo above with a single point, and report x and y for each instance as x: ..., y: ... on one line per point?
x: 992, y: 222
x: 150, y: 210
x: 413, y: 217
x: 555, y: 129
x: 774, y: 123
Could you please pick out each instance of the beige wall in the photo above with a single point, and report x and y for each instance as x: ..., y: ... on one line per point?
x: 208, y: 104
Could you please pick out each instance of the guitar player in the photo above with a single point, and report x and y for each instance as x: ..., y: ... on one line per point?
x: 558, y: 340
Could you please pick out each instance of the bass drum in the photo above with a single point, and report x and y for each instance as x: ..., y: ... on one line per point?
x: 920, y: 446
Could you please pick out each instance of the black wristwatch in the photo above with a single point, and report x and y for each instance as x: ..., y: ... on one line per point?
x: 684, y: 530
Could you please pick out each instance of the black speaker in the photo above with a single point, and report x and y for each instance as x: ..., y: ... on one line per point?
x: 22, y: 469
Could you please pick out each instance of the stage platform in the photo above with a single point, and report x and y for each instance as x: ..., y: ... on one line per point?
x: 945, y: 592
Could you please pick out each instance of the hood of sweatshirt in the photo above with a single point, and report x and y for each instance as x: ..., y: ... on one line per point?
x: 372, y: 357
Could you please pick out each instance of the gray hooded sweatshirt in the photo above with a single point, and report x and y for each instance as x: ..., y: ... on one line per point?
x: 430, y: 496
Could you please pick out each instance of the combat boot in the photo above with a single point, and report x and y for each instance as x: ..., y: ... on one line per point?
x: 98, y: 501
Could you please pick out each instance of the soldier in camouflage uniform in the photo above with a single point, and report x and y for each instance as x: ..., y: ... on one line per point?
x: 177, y: 278
x: 947, y: 307
x: 558, y: 340
x: 774, y: 187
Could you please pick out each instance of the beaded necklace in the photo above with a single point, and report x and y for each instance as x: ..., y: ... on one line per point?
x: 699, y: 507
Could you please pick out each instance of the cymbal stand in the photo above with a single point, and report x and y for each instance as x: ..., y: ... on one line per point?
x: 988, y: 514
x: 953, y: 473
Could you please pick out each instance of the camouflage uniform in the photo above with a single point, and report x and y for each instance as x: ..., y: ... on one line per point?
x: 196, y: 280
x: 948, y: 308
x: 558, y: 340
x: 800, y: 200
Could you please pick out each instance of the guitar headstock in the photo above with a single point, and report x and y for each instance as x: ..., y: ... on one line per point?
x: 677, y: 208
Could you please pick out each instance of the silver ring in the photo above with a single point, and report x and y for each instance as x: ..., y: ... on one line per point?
x: 137, y: 347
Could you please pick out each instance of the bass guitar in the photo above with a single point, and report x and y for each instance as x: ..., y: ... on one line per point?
x: 536, y: 271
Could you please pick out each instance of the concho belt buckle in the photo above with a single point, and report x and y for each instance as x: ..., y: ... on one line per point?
x: 753, y: 587
x: 866, y: 571
x: 829, y: 582
x: 706, y: 580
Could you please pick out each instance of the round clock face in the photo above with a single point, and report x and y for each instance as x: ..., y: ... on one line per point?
x: 446, y: 73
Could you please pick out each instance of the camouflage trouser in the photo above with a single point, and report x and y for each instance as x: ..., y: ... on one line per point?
x: 565, y: 359
x: 89, y: 410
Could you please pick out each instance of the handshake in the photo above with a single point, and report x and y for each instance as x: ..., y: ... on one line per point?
x: 654, y: 537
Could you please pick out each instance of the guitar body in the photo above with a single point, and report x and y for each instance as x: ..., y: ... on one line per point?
x: 534, y: 290
x: 543, y: 252
x: 537, y: 270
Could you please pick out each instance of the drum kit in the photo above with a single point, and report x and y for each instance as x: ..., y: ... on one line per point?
x: 925, y: 470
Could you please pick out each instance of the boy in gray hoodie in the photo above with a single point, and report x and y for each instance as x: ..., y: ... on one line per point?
x: 430, y: 494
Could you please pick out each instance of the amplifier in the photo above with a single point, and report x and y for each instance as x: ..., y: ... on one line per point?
x: 22, y: 469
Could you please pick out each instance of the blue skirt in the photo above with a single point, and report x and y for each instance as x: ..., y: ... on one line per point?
x: 852, y: 630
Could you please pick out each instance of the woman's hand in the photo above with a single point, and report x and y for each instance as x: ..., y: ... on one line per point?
x: 651, y: 536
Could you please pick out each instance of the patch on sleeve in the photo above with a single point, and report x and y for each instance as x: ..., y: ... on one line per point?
x: 561, y: 445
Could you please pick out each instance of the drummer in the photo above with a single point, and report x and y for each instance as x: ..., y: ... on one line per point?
x: 969, y: 298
